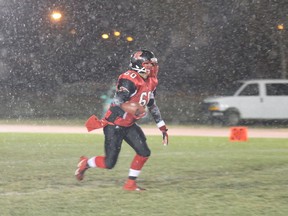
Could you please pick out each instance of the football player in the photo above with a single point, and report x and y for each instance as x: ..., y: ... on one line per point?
x: 137, y: 85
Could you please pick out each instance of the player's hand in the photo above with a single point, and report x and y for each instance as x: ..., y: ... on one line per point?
x: 164, y: 130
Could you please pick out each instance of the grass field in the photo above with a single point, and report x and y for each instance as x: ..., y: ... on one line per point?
x: 192, y: 176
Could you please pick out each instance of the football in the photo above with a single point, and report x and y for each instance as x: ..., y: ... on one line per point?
x: 133, y: 108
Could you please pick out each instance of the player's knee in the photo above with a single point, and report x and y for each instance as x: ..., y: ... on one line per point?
x: 146, y: 153
x: 110, y: 164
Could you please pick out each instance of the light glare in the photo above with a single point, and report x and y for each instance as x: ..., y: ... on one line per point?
x: 117, y: 33
x: 129, y: 39
x: 56, y: 15
x: 280, y: 27
x: 105, y: 36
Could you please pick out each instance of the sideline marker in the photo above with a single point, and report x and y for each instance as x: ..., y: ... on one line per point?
x: 238, y: 134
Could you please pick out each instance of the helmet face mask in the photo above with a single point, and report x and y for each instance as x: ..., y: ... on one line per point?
x: 143, y: 62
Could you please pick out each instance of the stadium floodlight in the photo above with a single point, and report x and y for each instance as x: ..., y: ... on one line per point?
x: 105, y: 36
x: 117, y: 33
x: 280, y: 27
x: 56, y: 16
x: 129, y: 39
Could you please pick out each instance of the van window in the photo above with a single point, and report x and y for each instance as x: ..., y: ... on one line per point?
x: 277, y: 89
x: 250, y: 90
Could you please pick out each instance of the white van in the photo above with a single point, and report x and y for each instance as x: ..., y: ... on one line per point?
x: 252, y: 100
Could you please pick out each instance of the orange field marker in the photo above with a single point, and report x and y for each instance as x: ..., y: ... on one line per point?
x: 238, y: 134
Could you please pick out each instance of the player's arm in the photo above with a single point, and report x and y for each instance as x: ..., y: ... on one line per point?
x: 156, y: 114
x: 154, y: 109
x: 125, y: 88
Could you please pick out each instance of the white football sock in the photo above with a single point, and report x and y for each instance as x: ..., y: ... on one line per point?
x: 91, y: 162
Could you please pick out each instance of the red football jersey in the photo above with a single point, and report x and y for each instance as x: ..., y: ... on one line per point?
x: 142, y: 95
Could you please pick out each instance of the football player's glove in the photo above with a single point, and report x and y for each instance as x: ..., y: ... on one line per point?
x: 164, y: 130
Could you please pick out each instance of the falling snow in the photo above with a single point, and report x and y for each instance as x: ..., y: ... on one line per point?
x: 62, y: 67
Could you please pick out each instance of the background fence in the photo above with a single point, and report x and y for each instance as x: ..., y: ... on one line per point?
x: 80, y: 100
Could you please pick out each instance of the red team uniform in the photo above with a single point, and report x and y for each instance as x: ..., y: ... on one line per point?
x: 145, y: 89
x: 137, y: 85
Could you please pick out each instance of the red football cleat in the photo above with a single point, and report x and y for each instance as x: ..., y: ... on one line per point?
x: 82, y: 167
x: 131, y: 185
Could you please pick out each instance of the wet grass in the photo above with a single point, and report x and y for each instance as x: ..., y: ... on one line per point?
x: 192, y: 176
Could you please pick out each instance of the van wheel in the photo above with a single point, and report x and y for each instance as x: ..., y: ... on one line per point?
x: 232, y: 118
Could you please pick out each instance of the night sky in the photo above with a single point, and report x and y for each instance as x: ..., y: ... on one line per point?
x: 195, y: 41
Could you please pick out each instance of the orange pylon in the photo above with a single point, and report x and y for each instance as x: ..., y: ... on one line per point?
x: 238, y: 134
